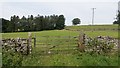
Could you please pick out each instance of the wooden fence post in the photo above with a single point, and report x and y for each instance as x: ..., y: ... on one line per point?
x: 34, y: 41
x: 29, y: 42
x: 81, y: 42
x: 27, y: 46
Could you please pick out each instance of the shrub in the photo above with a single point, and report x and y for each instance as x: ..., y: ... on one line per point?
x: 10, y: 58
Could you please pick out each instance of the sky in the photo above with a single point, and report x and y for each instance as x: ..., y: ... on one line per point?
x: 105, y: 11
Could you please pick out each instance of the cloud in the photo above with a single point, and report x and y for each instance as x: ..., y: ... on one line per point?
x: 104, y: 13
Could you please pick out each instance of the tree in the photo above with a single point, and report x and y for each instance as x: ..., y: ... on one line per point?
x: 30, y: 21
x: 60, y: 24
x: 115, y: 22
x: 15, y: 22
x: 37, y: 23
x: 24, y: 24
x: 76, y: 21
x: 118, y: 19
x: 6, y: 25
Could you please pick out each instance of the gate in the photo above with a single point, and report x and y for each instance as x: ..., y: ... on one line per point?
x: 55, y: 44
x: 46, y: 44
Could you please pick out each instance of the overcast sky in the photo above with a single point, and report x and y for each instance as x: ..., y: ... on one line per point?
x: 104, y: 13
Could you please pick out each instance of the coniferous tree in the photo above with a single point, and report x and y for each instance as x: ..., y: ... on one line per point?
x: 32, y: 23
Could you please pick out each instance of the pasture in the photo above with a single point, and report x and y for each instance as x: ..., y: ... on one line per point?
x: 93, y: 27
x: 59, y: 47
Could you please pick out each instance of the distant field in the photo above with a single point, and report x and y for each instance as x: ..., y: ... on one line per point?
x: 65, y: 53
x: 92, y: 27
x: 89, y: 30
x: 40, y: 33
x: 60, y: 33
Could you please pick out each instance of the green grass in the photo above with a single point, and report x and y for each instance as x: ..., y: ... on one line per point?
x: 0, y: 59
x: 0, y: 50
x: 92, y: 27
x: 60, y: 33
x: 65, y: 53
x: 40, y: 33
x: 71, y: 58
x: 113, y: 34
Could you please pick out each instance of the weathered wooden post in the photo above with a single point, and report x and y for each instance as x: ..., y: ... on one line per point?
x: 81, y: 42
x: 34, y: 40
x: 29, y: 47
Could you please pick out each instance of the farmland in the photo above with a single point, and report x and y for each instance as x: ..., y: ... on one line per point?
x: 93, y: 27
x: 65, y: 52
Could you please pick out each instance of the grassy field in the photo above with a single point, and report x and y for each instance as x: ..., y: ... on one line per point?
x: 66, y: 53
x: 61, y: 33
x: 93, y: 27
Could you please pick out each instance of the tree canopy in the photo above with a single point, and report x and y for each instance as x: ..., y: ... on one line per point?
x: 32, y: 23
x: 117, y: 19
x: 76, y: 21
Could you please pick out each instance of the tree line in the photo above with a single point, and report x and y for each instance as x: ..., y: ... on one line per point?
x: 31, y: 23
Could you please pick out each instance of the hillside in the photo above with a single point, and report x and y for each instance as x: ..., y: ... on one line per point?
x: 92, y: 27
